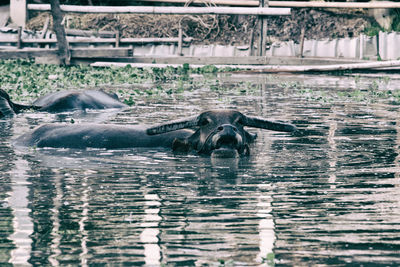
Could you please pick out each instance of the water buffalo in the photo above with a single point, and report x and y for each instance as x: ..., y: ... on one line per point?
x: 62, y: 101
x: 218, y: 133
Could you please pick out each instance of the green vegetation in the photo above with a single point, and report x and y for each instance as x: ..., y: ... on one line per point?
x: 270, y: 259
x: 396, y: 21
x: 25, y: 81
x: 373, y: 30
x: 376, y: 90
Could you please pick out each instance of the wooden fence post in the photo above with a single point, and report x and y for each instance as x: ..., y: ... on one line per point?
x: 19, y: 38
x: 264, y: 39
x: 117, y: 38
x: 251, y: 44
x: 180, y: 40
x: 302, y: 37
x: 260, y: 27
x: 63, y: 50
x: 262, y: 42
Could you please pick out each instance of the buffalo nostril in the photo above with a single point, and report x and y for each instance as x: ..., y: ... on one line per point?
x: 234, y: 129
x: 226, y: 141
x: 220, y: 128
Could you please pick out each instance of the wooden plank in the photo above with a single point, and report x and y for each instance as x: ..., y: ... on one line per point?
x: 136, y: 65
x: 128, y: 40
x: 101, y: 40
x: 276, y: 64
x: 322, y: 4
x: 254, y: 3
x: 155, y: 40
x: 242, y: 68
x: 100, y: 52
x: 75, y: 52
x: 324, y: 68
x: 248, y: 68
x: 165, y: 10
x: 27, y: 53
x: 292, y: 4
x: 250, y: 60
x: 88, y: 33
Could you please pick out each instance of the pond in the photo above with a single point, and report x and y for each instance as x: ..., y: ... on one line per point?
x: 328, y: 195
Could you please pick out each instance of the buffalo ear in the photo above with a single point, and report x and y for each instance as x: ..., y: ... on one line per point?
x: 173, y: 126
x: 5, y: 108
x: 181, y: 146
x: 269, y: 125
x: 250, y: 136
x: 9, y: 108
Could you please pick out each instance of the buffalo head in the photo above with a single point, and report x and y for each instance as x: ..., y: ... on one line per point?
x: 219, y: 133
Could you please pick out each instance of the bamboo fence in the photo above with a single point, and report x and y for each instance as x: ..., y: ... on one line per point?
x: 261, y: 8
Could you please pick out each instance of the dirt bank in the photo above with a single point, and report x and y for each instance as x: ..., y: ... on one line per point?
x: 235, y: 30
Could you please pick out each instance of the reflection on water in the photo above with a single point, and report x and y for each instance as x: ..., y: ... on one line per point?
x: 22, y: 223
x: 327, y: 195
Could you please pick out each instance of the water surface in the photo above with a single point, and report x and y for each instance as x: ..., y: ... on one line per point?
x: 329, y: 195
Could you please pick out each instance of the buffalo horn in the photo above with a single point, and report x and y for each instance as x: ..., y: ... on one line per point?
x: 270, y: 125
x: 173, y: 126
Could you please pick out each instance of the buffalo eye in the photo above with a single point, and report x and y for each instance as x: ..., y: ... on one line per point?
x: 204, y: 122
x: 240, y: 121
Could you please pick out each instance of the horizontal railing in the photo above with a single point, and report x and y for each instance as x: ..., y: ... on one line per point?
x: 165, y: 10
x: 290, y: 4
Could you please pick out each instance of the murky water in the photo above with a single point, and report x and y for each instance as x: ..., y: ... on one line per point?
x: 327, y: 196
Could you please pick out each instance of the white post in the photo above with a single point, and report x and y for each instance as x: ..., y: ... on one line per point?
x: 18, y: 12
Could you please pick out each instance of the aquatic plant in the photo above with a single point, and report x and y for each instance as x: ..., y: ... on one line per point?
x: 25, y: 81
x: 377, y: 90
